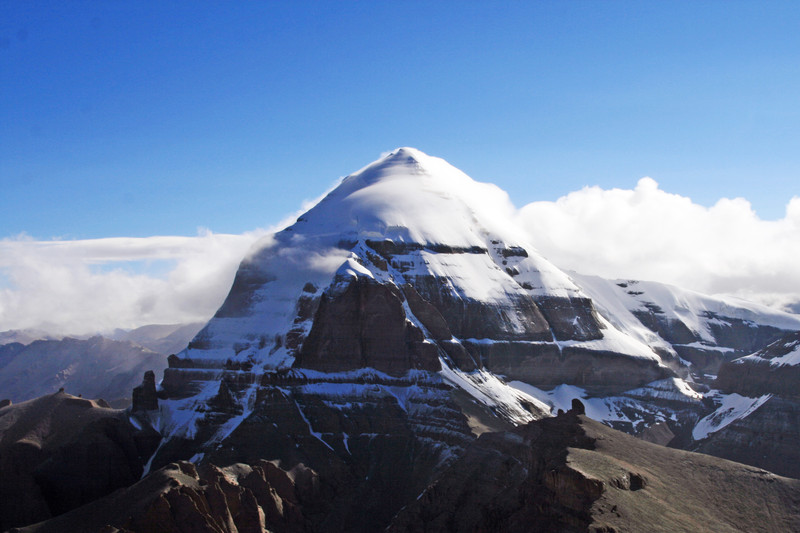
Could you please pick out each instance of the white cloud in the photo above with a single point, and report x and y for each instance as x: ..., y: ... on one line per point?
x: 77, y: 287
x: 97, y: 285
x: 647, y: 233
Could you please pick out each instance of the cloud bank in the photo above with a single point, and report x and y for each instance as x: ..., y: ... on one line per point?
x: 647, y: 233
x: 89, y: 286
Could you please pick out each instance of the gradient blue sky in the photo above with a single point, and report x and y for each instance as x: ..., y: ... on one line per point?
x: 156, y: 118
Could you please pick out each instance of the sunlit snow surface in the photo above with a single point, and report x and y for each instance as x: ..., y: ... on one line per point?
x: 619, y: 299
x: 618, y: 408
x: 792, y: 358
x: 732, y: 408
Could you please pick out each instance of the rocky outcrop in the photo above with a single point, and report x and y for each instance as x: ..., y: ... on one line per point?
x: 754, y: 378
x: 182, y: 498
x: 469, y: 318
x: 727, y: 337
x: 545, y: 365
x: 59, y: 452
x: 365, y: 325
x: 144, y: 396
x: 375, y: 441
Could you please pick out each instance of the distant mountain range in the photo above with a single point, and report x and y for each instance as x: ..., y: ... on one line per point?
x: 105, y: 367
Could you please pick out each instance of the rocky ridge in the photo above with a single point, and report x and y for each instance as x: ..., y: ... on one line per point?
x: 570, y: 473
x: 567, y: 473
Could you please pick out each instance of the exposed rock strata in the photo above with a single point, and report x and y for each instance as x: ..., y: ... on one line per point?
x: 365, y: 326
x: 762, y: 372
x: 375, y: 440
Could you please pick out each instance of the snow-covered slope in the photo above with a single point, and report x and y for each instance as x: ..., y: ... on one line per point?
x: 705, y: 330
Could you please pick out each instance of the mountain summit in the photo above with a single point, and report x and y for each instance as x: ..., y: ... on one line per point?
x: 455, y: 267
x: 406, y: 313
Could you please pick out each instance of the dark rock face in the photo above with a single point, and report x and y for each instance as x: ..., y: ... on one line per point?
x: 59, y: 452
x: 509, y: 481
x: 570, y: 318
x: 374, y: 441
x: 365, y: 326
x: 546, y: 366
x: 767, y: 437
x: 468, y: 318
x: 757, y: 375
x: 733, y: 338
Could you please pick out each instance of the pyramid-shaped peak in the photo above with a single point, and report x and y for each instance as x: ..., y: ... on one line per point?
x: 404, y: 163
x: 407, y: 195
x: 404, y: 160
x: 405, y: 153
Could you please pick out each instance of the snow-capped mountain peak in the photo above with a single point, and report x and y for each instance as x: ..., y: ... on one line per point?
x: 409, y: 279
x: 410, y: 196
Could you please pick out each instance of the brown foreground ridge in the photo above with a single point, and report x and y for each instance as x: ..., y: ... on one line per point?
x: 59, y: 452
x: 562, y: 474
x: 571, y: 473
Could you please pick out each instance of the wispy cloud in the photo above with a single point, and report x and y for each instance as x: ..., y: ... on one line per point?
x: 647, y: 233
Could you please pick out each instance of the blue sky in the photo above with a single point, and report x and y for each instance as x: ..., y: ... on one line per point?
x: 127, y: 126
x: 156, y: 118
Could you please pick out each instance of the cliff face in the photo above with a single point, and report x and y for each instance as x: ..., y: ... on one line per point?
x: 775, y: 369
x: 766, y: 438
